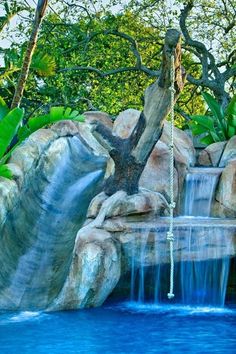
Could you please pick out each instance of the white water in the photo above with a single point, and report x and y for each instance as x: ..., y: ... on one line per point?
x: 200, y: 186
x: 201, y: 272
x: 40, y: 271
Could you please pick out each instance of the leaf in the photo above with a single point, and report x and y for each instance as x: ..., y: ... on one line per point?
x: 56, y: 114
x: 5, y: 172
x: 215, y: 137
x: 231, y: 131
x: 231, y: 108
x: 3, y: 108
x: 8, y: 128
x: 232, y: 120
x: 44, y: 64
x: 214, y: 106
x: 196, y: 129
x: 207, y: 140
x: 204, y: 121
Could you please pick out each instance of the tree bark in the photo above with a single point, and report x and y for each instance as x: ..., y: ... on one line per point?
x: 130, y: 155
x: 40, y: 11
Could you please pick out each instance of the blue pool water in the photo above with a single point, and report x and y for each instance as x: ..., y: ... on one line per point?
x: 121, y: 328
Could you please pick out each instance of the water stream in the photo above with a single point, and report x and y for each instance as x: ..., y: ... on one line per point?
x: 200, y: 186
x: 40, y: 256
x: 201, y: 269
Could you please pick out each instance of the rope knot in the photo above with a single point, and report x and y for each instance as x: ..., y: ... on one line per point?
x: 170, y: 296
x: 172, y: 89
x: 172, y: 205
x: 170, y: 236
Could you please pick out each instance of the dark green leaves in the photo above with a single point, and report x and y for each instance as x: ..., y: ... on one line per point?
x: 218, y: 125
x: 8, y: 128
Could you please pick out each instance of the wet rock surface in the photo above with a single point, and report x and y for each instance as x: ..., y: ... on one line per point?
x: 60, y: 248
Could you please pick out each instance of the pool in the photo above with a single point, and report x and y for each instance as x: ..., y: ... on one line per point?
x: 121, y: 328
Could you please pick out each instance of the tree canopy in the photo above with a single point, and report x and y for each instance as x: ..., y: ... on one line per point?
x: 96, y: 56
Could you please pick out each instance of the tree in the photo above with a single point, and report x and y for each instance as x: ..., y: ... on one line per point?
x: 107, y: 58
x: 130, y: 155
x: 39, y: 13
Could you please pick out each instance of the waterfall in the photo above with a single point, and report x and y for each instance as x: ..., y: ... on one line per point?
x: 202, y: 250
x: 201, y: 267
x: 200, y: 186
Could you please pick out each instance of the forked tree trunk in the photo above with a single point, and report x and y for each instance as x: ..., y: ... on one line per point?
x: 130, y: 155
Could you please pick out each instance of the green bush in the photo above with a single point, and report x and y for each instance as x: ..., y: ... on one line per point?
x: 218, y: 125
x: 10, y: 127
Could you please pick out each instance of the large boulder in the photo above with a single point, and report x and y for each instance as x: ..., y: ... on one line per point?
x: 104, y: 118
x: 94, y: 271
x: 211, y: 155
x: 56, y: 173
x: 229, y: 152
x: 125, y: 123
x: 156, y: 172
x: 157, y: 166
x: 184, y: 151
x: 225, y: 205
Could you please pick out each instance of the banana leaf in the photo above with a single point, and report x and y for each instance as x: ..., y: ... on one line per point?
x: 3, y: 108
x: 231, y: 131
x: 231, y: 108
x: 8, y: 128
x: 5, y: 172
x: 204, y: 121
x: 207, y: 140
x: 56, y: 114
x: 214, y: 106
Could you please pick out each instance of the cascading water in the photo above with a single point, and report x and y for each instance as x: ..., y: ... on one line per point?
x: 201, y: 272
x: 41, y: 256
x: 200, y: 186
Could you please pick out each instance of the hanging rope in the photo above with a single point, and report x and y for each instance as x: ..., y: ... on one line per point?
x: 170, y: 234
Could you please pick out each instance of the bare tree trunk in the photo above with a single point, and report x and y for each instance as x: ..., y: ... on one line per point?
x: 40, y: 11
x: 130, y: 155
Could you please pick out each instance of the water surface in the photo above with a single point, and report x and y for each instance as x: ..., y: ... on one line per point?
x: 121, y: 328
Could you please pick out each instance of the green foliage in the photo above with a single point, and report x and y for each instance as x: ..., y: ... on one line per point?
x: 83, y: 42
x: 218, y: 125
x: 56, y: 114
x: 10, y: 127
x: 43, y: 64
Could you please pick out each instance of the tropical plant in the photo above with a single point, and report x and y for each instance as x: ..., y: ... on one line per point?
x: 10, y: 121
x: 218, y: 125
x: 9, y: 125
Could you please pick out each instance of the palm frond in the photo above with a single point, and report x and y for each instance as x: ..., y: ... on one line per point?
x: 43, y: 64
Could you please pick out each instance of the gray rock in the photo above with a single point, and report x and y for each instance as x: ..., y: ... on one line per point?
x: 226, y: 192
x: 156, y: 173
x: 229, y: 152
x: 94, y: 271
x: 126, y: 122
x: 56, y: 176
x: 211, y: 155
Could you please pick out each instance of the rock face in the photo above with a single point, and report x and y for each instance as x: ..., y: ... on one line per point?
x: 125, y: 123
x: 218, y: 154
x: 94, y: 272
x: 222, y: 154
x: 156, y: 172
x: 56, y: 176
x: 225, y: 205
x: 211, y: 155
x: 229, y: 152
x: 64, y: 245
